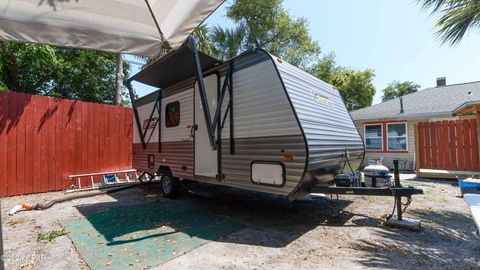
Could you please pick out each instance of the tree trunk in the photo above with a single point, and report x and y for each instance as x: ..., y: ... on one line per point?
x: 117, y: 100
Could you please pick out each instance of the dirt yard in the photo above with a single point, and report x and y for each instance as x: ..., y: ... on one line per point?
x: 319, y: 234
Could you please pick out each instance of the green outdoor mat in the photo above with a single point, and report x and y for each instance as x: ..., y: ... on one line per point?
x: 144, y: 235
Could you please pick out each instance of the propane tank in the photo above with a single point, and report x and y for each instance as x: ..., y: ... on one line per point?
x: 381, y: 174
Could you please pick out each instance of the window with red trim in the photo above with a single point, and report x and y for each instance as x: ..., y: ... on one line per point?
x: 397, y: 136
x: 386, y: 136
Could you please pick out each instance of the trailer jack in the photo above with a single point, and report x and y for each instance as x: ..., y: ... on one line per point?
x: 397, y: 191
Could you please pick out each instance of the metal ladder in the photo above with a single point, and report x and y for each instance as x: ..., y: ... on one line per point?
x: 110, y: 179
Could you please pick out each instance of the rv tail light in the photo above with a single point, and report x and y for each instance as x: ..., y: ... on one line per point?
x: 287, y: 158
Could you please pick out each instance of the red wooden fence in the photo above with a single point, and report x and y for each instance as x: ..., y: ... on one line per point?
x: 448, y: 145
x: 44, y: 139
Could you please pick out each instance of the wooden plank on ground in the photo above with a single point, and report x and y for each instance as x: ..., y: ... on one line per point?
x: 446, y: 174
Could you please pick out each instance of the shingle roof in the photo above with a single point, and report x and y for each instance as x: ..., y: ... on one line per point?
x: 431, y: 102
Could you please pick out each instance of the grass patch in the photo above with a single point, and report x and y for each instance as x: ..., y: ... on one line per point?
x: 51, y: 235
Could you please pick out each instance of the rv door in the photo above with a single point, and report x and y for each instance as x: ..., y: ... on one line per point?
x: 205, y: 158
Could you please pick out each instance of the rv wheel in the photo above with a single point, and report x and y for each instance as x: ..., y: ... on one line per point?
x: 169, y: 185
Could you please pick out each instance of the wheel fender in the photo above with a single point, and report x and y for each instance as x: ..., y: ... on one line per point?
x: 164, y: 169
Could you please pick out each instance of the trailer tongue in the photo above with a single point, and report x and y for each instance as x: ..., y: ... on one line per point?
x: 396, y: 190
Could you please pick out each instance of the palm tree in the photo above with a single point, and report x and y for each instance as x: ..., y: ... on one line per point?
x: 456, y: 17
x: 204, y: 43
x: 227, y: 42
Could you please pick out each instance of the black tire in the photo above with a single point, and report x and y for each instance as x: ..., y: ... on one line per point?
x: 169, y: 185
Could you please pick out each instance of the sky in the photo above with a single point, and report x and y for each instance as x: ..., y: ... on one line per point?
x: 394, y: 38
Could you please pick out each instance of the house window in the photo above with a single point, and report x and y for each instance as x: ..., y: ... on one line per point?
x: 397, y: 136
x: 172, y: 114
x: 374, y: 137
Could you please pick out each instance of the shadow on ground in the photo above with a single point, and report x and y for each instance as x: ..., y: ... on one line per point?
x: 273, y: 220
x: 427, y: 249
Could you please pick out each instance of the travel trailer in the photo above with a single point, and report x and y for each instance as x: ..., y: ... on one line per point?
x: 253, y: 122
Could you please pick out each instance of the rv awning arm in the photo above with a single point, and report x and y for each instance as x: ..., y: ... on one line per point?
x: 128, y: 84
x: 158, y: 106
x: 212, y: 126
x: 203, y: 93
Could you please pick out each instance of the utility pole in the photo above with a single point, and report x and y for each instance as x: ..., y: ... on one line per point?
x: 118, y: 80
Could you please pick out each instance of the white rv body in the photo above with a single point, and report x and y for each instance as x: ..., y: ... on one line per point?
x: 290, y: 130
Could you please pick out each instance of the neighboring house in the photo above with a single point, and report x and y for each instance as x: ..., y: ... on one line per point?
x: 388, y: 128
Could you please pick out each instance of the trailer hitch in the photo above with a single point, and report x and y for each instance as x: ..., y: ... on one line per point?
x: 397, y: 191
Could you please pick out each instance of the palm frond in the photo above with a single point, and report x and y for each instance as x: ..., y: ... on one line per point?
x: 457, y: 17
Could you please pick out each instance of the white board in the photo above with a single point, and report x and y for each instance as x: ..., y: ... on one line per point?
x: 473, y: 203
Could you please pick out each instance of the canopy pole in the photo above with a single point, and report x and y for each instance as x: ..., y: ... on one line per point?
x: 117, y: 100
x: 162, y: 37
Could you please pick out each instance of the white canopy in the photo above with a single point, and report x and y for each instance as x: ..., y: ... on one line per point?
x: 139, y: 27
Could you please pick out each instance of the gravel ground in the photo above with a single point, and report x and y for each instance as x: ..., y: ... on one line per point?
x: 317, y: 234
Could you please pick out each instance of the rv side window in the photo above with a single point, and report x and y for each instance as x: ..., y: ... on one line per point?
x: 172, y: 114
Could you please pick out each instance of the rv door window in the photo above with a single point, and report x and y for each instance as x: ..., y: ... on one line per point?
x: 172, y: 114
